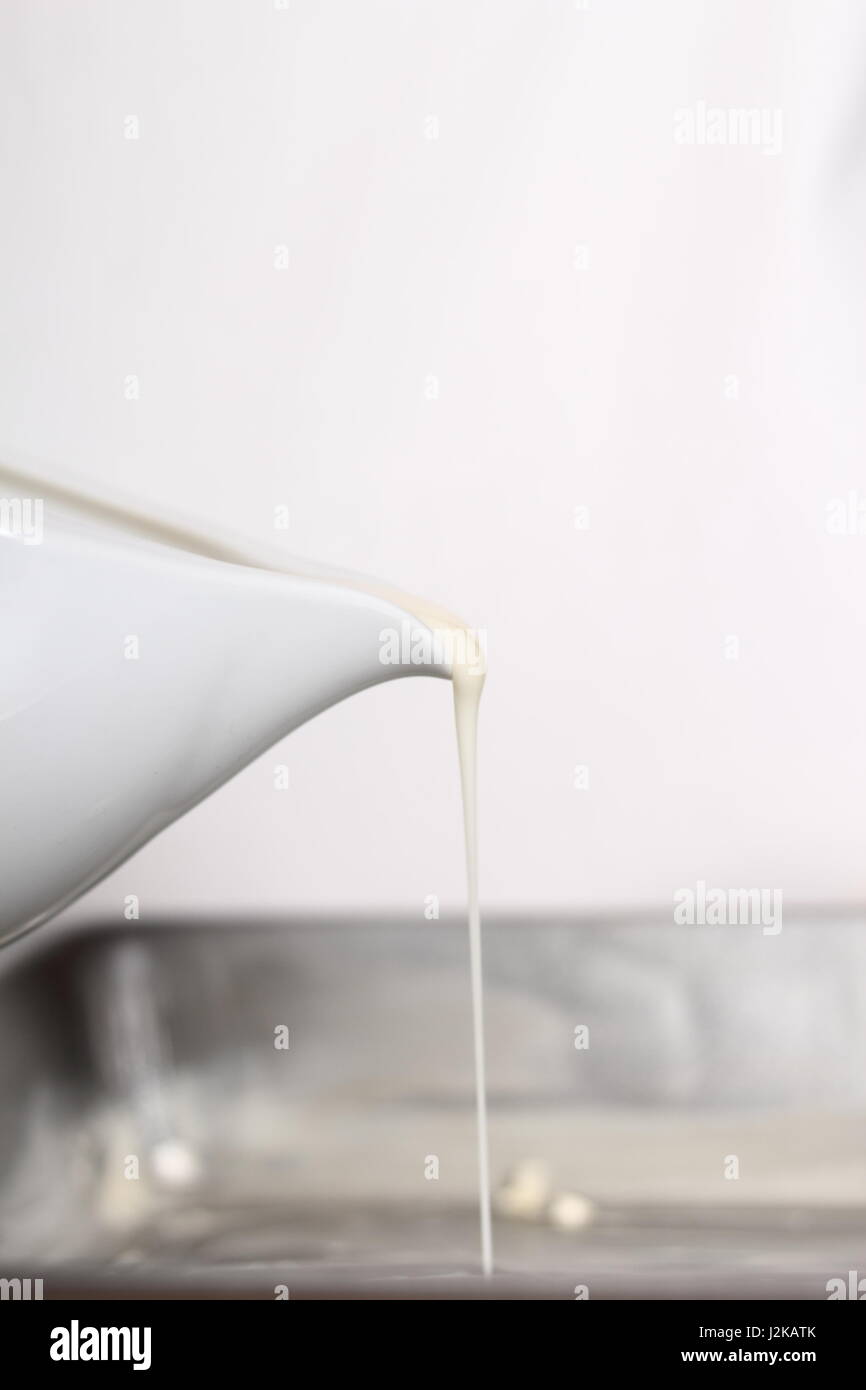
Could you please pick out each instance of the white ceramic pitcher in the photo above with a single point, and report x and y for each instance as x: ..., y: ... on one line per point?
x: 139, y: 671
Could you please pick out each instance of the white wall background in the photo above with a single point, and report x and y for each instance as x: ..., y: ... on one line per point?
x: 582, y: 288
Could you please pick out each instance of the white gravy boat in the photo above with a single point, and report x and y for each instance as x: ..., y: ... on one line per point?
x: 142, y: 666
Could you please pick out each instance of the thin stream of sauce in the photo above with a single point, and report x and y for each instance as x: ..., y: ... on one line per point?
x: 467, y: 697
x: 468, y: 671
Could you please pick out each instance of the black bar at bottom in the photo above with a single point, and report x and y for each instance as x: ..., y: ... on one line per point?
x: 162, y: 1338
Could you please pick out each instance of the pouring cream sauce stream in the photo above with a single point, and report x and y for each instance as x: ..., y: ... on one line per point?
x: 468, y: 672
x: 467, y: 696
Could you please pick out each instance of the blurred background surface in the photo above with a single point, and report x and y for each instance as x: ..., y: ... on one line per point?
x: 713, y: 1119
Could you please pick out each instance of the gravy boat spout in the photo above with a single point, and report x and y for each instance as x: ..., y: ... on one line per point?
x: 138, y: 676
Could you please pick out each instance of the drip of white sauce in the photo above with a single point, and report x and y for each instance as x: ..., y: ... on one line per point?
x: 467, y: 696
x: 468, y: 670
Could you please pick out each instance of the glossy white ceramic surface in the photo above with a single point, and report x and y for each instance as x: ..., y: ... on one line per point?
x: 136, y: 678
